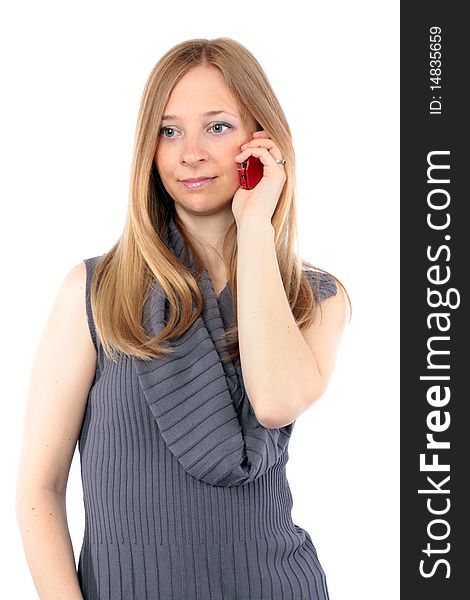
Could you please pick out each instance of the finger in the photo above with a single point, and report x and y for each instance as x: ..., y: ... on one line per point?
x: 261, y: 133
x: 262, y: 142
x: 267, y: 144
x: 267, y: 158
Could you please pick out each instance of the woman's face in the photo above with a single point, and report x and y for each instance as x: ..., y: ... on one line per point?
x: 195, y: 144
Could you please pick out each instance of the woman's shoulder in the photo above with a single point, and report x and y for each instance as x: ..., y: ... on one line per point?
x: 92, y: 261
x: 90, y: 265
x: 322, y: 282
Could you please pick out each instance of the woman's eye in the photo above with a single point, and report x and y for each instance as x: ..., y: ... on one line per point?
x: 167, y: 132
x: 221, y: 125
x: 165, y: 129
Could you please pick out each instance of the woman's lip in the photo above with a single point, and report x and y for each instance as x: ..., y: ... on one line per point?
x: 197, y: 183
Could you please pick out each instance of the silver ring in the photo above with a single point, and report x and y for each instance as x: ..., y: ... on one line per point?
x: 280, y: 161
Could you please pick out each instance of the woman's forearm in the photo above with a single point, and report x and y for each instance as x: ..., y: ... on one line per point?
x: 46, y: 539
x: 277, y: 363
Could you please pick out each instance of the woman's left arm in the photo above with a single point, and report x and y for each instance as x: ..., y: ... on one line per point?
x: 284, y: 370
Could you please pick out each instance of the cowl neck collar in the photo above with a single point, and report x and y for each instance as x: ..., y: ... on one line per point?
x: 197, y: 398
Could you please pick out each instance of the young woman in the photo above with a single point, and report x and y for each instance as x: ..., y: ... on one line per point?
x: 181, y: 358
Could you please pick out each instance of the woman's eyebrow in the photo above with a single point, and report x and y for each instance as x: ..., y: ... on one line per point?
x: 207, y: 114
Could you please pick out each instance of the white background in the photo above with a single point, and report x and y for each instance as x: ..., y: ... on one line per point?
x: 72, y: 78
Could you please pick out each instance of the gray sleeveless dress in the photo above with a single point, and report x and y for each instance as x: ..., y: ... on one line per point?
x: 161, y: 523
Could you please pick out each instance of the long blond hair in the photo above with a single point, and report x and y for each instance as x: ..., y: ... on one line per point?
x: 123, y: 276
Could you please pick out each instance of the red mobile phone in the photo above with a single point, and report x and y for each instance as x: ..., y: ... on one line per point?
x: 250, y: 172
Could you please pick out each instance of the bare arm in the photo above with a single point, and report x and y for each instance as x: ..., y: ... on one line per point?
x: 285, y: 370
x: 61, y: 376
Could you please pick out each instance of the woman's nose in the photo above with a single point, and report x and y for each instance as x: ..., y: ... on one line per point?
x: 193, y: 152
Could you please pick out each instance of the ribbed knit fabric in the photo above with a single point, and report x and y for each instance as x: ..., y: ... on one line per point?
x: 185, y: 493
